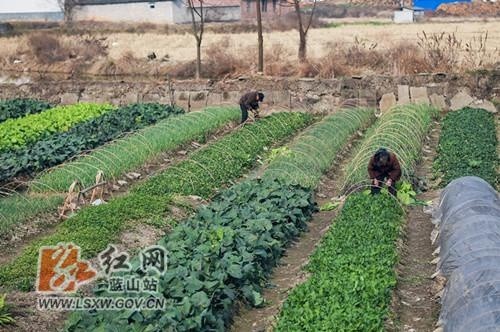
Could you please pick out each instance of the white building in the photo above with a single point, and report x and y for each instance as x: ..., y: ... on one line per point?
x: 154, y: 11
x: 134, y: 11
x: 30, y: 10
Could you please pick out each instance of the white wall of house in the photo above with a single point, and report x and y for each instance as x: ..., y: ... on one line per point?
x: 28, y: 6
x: 159, y: 13
x: 163, y: 12
x: 30, y: 10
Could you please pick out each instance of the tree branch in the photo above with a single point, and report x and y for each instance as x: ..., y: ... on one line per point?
x: 310, y: 18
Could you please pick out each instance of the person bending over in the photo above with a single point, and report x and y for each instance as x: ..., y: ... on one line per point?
x: 250, y: 102
x: 384, y: 168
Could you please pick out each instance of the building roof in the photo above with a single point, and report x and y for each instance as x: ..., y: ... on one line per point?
x: 206, y: 3
x: 112, y: 2
x: 219, y: 3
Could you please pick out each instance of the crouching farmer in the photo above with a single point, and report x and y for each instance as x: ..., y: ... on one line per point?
x: 383, y: 169
x: 250, y: 102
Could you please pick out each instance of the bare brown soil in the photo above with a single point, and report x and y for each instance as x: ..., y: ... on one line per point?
x: 414, y: 306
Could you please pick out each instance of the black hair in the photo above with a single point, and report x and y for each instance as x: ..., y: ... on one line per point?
x: 261, y: 96
x: 382, y: 152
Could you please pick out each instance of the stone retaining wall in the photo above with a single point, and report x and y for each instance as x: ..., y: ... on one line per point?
x: 309, y: 94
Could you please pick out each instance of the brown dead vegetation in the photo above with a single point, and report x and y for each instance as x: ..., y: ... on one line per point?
x: 88, y: 55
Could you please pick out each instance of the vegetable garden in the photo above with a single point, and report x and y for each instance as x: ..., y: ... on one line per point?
x: 258, y: 183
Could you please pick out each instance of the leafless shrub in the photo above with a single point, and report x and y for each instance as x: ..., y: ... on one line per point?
x: 364, y: 54
x: 47, y: 49
x: 219, y: 63
x: 476, y: 54
x: 441, y: 50
x: 276, y: 61
x: 127, y: 64
x: 407, y: 59
x: 333, y: 65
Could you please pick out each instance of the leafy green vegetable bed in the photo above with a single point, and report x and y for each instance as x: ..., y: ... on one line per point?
x: 94, y: 228
x: 214, y: 166
x: 219, y: 257
x: 313, y: 152
x: 353, y: 268
x: 352, y: 271
x: 58, y: 147
x: 129, y: 153
x: 402, y: 131
x: 16, y: 133
x: 467, y: 146
x: 224, y: 254
x: 16, y: 108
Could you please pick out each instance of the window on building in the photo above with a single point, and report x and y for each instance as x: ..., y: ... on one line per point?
x: 249, y: 5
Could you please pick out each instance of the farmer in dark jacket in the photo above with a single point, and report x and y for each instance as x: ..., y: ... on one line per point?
x: 384, y: 167
x: 250, y: 101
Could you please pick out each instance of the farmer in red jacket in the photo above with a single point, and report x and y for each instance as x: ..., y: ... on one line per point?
x: 384, y: 168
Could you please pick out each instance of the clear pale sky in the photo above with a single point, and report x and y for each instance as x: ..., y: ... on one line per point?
x: 28, y: 6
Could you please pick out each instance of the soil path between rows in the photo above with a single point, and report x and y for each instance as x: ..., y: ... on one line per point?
x: 414, y: 305
x: 290, y: 272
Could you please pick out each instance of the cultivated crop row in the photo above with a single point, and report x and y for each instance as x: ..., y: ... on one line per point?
x: 123, y: 156
x: 18, y: 208
x: 221, y: 256
x: 467, y: 146
x: 93, y: 228
x: 353, y: 268
x: 16, y: 108
x: 352, y: 271
x: 16, y: 133
x: 129, y: 153
x: 54, y: 149
x: 313, y: 152
x: 401, y: 131
x: 226, y: 159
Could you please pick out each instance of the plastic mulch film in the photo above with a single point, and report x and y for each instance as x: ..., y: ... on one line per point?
x: 469, y: 238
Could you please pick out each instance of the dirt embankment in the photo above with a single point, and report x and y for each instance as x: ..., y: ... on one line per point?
x: 476, y: 8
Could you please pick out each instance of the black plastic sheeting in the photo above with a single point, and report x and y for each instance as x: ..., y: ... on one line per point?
x: 469, y: 237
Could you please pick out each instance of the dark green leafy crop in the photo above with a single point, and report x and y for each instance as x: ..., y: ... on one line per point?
x: 57, y: 148
x: 16, y: 108
x: 94, y: 227
x: 219, y: 257
x: 352, y: 271
x: 467, y: 146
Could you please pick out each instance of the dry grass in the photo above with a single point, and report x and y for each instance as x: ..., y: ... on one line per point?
x: 181, y: 47
x: 333, y: 52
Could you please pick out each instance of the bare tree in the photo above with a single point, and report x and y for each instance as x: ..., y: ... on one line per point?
x: 303, y: 29
x: 260, y: 37
x: 68, y: 9
x: 198, y: 27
